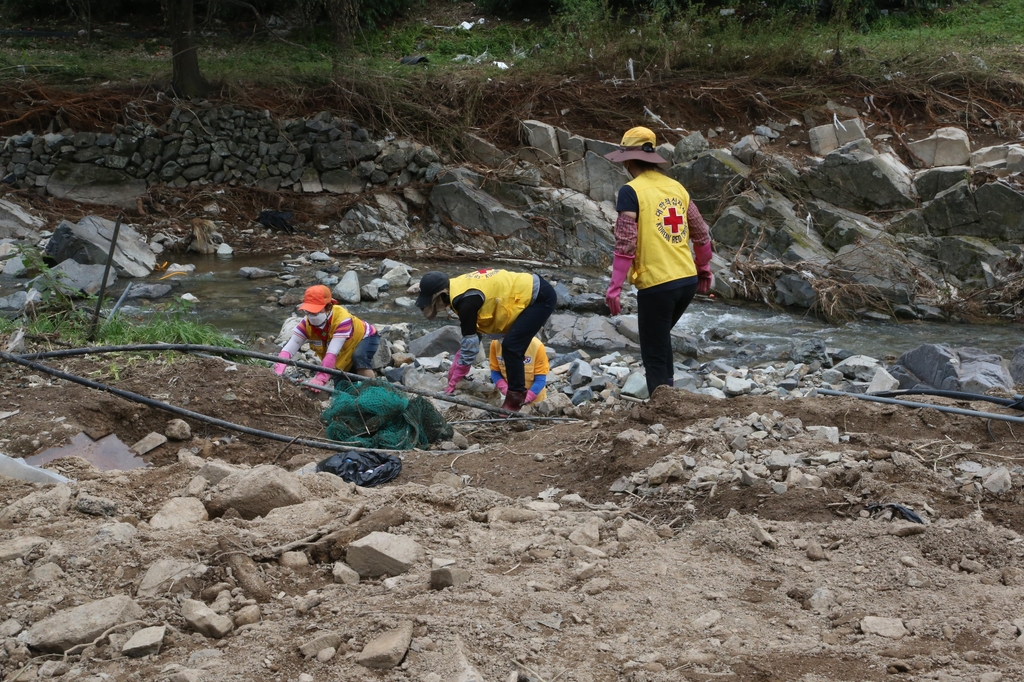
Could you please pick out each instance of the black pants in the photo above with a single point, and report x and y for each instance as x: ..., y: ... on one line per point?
x: 521, y: 333
x: 657, y: 313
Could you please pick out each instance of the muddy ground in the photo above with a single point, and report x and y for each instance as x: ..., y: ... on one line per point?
x: 676, y: 586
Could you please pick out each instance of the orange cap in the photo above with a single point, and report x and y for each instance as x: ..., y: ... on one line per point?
x: 316, y: 298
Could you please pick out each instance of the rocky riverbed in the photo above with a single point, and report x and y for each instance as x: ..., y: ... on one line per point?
x: 848, y: 231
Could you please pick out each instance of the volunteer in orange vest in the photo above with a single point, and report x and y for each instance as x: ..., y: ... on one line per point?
x: 656, y: 221
x: 513, y: 305
x: 535, y: 370
x: 340, y: 339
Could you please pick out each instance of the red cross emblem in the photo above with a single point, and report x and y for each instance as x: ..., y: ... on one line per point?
x: 673, y: 220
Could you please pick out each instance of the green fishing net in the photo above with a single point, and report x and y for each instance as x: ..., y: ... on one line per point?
x: 373, y: 414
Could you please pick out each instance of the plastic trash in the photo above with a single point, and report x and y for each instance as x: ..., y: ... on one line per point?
x: 365, y: 469
x: 17, y: 469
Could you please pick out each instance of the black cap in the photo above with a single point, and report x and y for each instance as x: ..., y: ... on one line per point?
x: 430, y: 284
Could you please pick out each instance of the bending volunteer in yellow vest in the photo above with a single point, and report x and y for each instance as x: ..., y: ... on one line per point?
x: 340, y: 339
x: 535, y: 370
x: 655, y: 224
x: 513, y: 305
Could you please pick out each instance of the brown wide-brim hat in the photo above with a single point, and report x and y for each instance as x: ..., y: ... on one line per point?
x: 637, y: 145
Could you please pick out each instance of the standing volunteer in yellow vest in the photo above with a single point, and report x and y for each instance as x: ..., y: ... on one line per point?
x: 340, y: 339
x: 514, y: 305
x: 535, y: 370
x: 656, y: 220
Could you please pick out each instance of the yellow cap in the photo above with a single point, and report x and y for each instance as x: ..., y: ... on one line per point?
x: 637, y: 137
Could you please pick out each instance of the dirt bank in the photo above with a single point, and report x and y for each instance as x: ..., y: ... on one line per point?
x: 678, y: 584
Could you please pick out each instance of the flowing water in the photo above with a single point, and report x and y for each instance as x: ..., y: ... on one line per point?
x: 239, y: 306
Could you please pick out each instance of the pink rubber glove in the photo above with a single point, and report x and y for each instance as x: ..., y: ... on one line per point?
x: 702, y: 258
x: 620, y: 268
x: 280, y: 367
x: 320, y: 379
x: 330, y: 361
x: 530, y: 397
x: 502, y: 386
x: 456, y: 374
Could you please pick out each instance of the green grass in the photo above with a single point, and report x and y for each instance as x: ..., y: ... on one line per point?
x: 73, y: 326
x: 781, y: 44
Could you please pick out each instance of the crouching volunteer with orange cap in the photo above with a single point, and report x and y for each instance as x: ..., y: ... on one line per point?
x: 656, y: 220
x: 514, y: 305
x: 339, y: 338
x: 535, y: 370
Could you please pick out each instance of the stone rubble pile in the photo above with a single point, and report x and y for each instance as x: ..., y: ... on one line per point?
x: 780, y: 455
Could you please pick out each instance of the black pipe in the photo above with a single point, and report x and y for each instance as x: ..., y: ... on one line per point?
x: 220, y: 350
x: 128, y: 395
x: 1016, y: 402
x: 940, y: 408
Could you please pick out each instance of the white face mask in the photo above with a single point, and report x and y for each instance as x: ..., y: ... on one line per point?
x: 317, y: 320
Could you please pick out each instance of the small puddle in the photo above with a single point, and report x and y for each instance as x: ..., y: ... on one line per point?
x: 106, y: 454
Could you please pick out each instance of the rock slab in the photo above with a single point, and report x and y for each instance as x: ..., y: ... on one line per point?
x: 387, y: 650
x: 145, y: 642
x: 81, y: 624
x: 890, y: 628
x: 383, y: 554
x: 255, y: 492
x: 179, y: 512
x: 205, y: 620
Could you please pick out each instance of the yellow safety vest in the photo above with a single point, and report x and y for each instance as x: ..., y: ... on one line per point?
x: 535, y: 362
x: 506, y: 294
x: 319, y: 342
x: 662, y: 245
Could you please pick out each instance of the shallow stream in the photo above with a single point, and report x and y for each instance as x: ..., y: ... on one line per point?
x: 240, y: 306
x: 243, y: 308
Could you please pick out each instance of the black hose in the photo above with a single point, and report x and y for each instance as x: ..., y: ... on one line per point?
x: 907, y: 403
x: 1016, y: 402
x: 220, y: 350
x: 128, y: 395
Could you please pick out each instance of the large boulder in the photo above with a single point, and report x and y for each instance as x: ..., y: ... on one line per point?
x: 791, y: 289
x: 342, y: 181
x: 81, y: 624
x: 1001, y: 209
x: 944, y: 147
x: 586, y: 225
x: 88, y: 243
x: 447, y: 339
x: 604, y: 177
x: 1017, y: 365
x: 960, y: 256
x: 713, y: 175
x: 542, y: 141
x: 839, y: 227
x: 91, y: 184
x: 347, y: 290
x: 931, y: 181
x: 953, y: 211
x: 342, y: 154
x: 879, y: 265
x: 961, y: 369
x: 460, y: 202
x: 255, y: 492
x: 75, y: 278
x: 856, y: 177
x: 599, y: 333
x: 17, y: 223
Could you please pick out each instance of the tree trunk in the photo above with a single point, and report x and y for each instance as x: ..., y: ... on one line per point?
x: 344, y: 15
x: 186, y: 81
